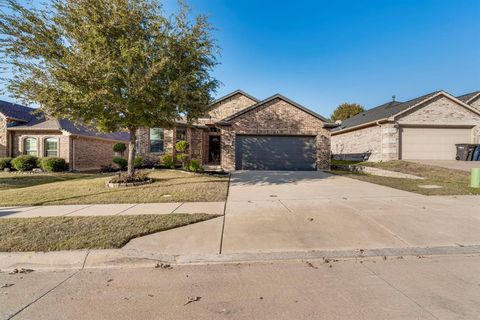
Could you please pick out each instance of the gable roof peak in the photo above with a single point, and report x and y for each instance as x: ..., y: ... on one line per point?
x: 273, y: 97
x: 233, y: 93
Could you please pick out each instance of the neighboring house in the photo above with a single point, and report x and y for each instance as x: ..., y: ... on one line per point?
x: 427, y: 127
x: 242, y: 133
x: 22, y: 131
x: 472, y: 99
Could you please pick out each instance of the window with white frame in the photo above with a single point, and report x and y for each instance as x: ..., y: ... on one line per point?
x: 30, y: 146
x: 156, y: 139
x: 51, y: 147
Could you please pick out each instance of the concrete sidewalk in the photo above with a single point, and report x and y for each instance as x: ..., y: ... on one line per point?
x: 112, y: 209
x: 436, y: 287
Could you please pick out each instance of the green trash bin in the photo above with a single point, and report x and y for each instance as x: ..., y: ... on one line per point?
x: 475, y: 178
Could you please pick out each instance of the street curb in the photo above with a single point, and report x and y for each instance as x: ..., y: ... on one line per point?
x: 118, y: 258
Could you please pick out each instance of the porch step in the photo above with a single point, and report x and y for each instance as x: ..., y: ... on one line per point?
x: 212, y: 167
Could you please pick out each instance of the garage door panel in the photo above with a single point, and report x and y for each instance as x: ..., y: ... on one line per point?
x: 432, y: 143
x: 275, y: 153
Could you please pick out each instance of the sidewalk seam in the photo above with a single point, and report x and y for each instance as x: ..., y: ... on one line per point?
x: 178, y: 207
x: 224, y: 214
x: 136, y: 204
x: 78, y: 210
x: 399, y: 291
x: 43, y: 295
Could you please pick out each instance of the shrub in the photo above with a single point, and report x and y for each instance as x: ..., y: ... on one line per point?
x: 122, y: 163
x: 195, y: 166
x: 167, y: 161
x: 138, y: 162
x: 5, y: 163
x: 183, y: 158
x: 119, y: 147
x: 181, y: 146
x: 24, y: 163
x: 53, y: 164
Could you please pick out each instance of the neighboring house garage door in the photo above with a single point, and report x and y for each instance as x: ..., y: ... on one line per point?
x: 275, y: 153
x: 432, y: 143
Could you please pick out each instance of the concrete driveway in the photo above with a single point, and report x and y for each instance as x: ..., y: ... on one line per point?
x: 291, y: 211
x: 450, y: 164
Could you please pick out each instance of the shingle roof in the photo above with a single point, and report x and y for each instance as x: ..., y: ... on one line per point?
x: 276, y: 96
x: 32, y: 120
x: 381, y: 112
x: 469, y: 96
x: 15, y: 111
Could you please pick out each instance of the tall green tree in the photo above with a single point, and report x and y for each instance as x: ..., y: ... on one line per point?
x: 346, y: 110
x: 113, y: 64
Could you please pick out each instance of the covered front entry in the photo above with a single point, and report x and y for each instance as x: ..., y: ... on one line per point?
x: 432, y: 143
x: 270, y: 152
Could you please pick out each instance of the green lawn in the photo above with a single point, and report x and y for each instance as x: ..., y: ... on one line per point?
x: 70, y: 233
x: 453, y: 182
x: 72, y: 188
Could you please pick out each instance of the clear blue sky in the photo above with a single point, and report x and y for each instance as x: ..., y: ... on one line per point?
x: 322, y: 53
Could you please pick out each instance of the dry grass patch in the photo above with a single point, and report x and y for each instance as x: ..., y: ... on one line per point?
x: 167, y: 186
x: 70, y: 233
x: 453, y: 182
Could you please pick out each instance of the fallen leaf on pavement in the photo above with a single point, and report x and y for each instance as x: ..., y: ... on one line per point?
x: 6, y: 285
x: 21, y: 270
x: 191, y: 299
x: 163, y: 266
x: 311, y: 265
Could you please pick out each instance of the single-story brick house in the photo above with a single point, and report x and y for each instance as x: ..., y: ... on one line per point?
x: 427, y: 127
x: 242, y: 133
x: 22, y: 131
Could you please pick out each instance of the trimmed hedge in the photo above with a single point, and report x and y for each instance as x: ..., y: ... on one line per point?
x: 5, y: 163
x: 195, y: 166
x: 167, y: 161
x: 53, y: 164
x: 24, y: 163
x: 138, y: 162
x: 122, y: 163
x: 119, y: 147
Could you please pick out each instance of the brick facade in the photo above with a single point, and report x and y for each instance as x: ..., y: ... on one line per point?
x: 18, y: 139
x: 352, y: 144
x: 276, y: 117
x: 80, y: 153
x: 90, y: 154
x: 4, y: 143
x: 383, y: 139
x: 229, y: 106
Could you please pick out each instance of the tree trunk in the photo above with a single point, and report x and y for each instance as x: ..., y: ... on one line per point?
x: 132, y: 151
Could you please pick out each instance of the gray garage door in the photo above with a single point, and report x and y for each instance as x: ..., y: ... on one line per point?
x: 275, y: 153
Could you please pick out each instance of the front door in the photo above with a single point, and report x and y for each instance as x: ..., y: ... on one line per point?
x: 214, y: 149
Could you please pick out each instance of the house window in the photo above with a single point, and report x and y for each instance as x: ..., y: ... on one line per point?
x: 51, y: 147
x: 214, y: 129
x: 181, y: 134
x: 156, y: 139
x: 30, y: 146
